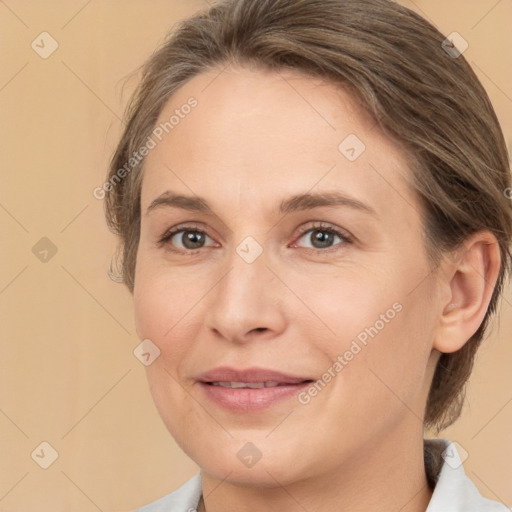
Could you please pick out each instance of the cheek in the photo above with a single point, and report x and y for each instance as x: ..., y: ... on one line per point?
x: 156, y: 313
x: 383, y: 333
x: 160, y: 311
x: 398, y: 356
x: 149, y: 310
x: 167, y: 306
x: 351, y: 306
x: 160, y: 299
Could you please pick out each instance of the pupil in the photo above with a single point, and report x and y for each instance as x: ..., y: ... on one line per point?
x: 322, y: 238
x: 192, y: 239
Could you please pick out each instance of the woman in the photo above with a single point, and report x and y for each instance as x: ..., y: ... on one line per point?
x: 311, y: 200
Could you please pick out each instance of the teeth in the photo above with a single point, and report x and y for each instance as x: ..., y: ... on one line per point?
x: 251, y: 385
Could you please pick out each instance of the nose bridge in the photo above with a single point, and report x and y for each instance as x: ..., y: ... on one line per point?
x: 244, y: 299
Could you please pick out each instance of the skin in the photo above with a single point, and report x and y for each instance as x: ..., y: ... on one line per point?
x: 255, y: 139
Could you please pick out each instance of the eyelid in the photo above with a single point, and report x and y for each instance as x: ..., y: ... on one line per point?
x: 344, y: 235
x: 187, y: 226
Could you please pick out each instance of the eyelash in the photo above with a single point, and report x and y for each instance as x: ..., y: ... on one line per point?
x: 319, y: 226
x: 326, y: 228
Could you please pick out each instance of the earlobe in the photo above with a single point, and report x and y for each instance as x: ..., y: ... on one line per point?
x: 472, y: 276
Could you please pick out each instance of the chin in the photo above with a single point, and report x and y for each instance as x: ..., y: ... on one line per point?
x: 258, y: 464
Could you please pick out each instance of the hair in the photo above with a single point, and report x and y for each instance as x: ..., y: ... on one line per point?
x: 393, y: 62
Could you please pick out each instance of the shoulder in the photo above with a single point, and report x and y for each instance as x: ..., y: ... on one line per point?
x: 453, y: 489
x: 184, y: 499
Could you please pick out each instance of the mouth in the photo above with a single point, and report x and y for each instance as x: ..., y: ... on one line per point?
x: 250, y: 377
x: 253, y: 385
x: 250, y: 390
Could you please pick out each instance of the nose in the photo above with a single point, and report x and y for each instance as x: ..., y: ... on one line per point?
x: 247, y: 301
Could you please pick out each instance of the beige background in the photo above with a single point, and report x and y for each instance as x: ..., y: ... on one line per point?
x: 68, y: 373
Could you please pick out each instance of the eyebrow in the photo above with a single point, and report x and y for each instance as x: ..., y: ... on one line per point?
x: 298, y: 202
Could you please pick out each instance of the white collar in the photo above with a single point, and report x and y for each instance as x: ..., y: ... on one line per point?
x: 453, y: 492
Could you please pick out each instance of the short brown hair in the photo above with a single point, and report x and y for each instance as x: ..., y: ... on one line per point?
x: 393, y: 62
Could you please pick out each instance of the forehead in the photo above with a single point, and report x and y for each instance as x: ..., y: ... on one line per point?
x: 255, y: 136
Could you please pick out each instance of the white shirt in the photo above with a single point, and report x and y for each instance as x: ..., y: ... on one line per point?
x: 453, y: 491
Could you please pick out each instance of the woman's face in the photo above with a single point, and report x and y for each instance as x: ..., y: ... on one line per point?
x: 298, y: 251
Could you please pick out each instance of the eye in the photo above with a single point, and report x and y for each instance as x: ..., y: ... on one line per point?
x: 185, y: 239
x: 321, y: 237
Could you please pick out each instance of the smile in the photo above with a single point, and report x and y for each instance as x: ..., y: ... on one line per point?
x: 252, y: 385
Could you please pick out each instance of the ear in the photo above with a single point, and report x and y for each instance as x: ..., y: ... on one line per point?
x: 469, y: 279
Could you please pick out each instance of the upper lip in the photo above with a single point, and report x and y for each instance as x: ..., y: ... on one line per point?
x: 227, y: 374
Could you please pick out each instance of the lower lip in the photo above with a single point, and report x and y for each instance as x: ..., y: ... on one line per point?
x: 250, y: 399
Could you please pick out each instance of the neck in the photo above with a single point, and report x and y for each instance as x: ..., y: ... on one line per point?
x: 385, y: 476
